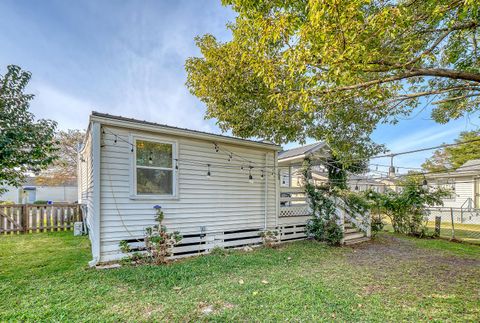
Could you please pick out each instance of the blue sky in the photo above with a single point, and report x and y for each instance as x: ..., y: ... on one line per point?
x: 127, y: 58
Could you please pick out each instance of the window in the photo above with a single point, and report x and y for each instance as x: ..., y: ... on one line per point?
x: 154, y: 168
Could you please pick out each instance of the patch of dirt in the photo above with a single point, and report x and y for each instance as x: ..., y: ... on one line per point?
x: 389, y: 255
x: 376, y: 253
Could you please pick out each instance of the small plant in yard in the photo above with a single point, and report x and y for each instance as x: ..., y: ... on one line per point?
x: 158, y: 242
x: 270, y: 238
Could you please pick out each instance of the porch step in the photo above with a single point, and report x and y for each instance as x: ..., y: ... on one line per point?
x: 353, y: 235
x: 356, y: 240
x: 351, y: 230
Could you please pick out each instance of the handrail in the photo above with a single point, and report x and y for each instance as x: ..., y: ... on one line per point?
x: 470, y: 203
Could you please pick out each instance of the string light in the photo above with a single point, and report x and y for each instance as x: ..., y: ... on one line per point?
x: 250, y: 177
x: 150, y: 159
x: 208, y: 172
x: 176, y: 163
x: 320, y: 160
x: 262, y: 176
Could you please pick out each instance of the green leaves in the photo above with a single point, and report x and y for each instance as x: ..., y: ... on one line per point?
x: 26, y: 145
x: 332, y: 70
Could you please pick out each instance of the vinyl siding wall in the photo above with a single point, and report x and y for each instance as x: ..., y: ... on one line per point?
x: 464, y: 189
x: 225, y: 201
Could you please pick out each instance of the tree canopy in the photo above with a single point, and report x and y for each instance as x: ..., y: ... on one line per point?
x: 26, y: 145
x: 455, y: 156
x: 64, y: 168
x: 333, y: 69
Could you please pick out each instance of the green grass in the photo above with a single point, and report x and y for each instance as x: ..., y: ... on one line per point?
x: 44, y: 277
x: 465, y: 232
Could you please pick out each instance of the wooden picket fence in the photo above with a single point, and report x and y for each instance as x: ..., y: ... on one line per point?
x: 30, y: 218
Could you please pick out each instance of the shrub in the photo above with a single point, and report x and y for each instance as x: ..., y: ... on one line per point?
x: 40, y: 202
x: 158, y: 242
x: 377, y: 225
x: 270, y: 238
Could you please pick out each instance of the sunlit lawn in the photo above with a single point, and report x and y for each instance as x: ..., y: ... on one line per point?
x: 45, y: 277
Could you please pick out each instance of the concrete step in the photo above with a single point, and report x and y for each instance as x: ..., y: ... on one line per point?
x: 354, y: 235
x: 355, y: 241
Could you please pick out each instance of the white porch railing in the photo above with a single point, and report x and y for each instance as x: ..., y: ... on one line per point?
x: 293, y: 202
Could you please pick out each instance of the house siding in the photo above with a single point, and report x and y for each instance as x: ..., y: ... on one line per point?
x: 86, y: 189
x: 225, y: 201
x: 464, y: 189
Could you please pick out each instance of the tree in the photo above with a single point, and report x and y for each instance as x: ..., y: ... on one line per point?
x: 333, y: 69
x: 64, y: 168
x: 26, y: 145
x: 455, y: 156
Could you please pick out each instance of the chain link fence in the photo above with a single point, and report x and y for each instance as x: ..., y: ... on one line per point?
x: 455, y: 223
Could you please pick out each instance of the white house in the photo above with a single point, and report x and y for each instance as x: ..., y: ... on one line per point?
x: 464, y: 183
x: 30, y: 192
x: 214, y: 189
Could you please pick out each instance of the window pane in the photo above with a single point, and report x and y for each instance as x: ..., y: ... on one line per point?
x: 154, y: 181
x: 154, y: 154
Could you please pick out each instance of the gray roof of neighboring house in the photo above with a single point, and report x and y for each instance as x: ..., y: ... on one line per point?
x: 303, y: 150
x: 120, y: 118
x: 470, y: 165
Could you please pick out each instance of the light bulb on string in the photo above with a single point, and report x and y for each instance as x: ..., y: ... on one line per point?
x: 250, y: 177
x: 208, y: 172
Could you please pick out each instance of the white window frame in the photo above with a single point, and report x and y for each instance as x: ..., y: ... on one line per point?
x: 133, y: 177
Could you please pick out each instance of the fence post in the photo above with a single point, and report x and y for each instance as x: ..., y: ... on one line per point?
x: 453, y: 225
x: 438, y: 221
x: 25, y: 218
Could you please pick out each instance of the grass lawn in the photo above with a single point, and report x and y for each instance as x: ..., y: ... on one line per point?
x: 466, y: 232
x: 45, y: 277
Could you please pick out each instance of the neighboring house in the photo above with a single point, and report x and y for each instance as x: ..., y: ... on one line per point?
x: 363, y: 183
x: 464, y: 183
x: 290, y: 163
x: 30, y: 192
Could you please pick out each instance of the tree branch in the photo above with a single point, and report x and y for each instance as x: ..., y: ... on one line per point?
x: 416, y: 72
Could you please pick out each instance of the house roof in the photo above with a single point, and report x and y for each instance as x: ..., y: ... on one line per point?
x: 470, y: 168
x: 106, y: 118
x: 470, y: 165
x: 301, y: 151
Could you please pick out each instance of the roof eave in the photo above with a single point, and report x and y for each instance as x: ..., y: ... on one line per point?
x: 180, y: 132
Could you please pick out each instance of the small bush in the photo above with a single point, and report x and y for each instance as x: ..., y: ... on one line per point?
x: 270, y: 238
x: 158, y: 242
x: 40, y: 202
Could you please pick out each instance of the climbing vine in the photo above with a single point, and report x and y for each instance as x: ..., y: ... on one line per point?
x: 323, y: 226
